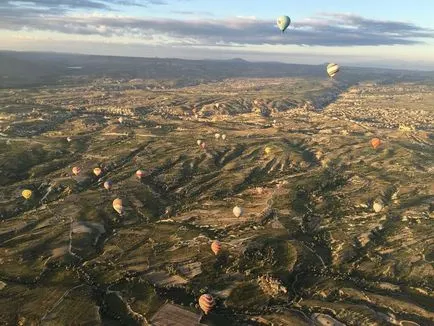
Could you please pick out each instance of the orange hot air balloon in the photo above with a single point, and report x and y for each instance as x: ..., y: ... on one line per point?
x: 117, y: 206
x: 97, y: 171
x: 108, y: 184
x: 76, y: 170
x: 206, y: 303
x: 375, y: 142
x: 216, y: 246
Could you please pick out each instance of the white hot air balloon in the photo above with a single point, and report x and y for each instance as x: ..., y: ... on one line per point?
x: 217, y: 136
x: 238, y: 211
x: 199, y: 142
x: 224, y: 137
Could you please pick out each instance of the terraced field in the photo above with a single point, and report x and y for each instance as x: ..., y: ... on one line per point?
x: 308, y: 249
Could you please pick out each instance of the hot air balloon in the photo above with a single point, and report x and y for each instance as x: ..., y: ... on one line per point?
x: 199, y: 142
x: 267, y: 150
x: 224, y: 137
x: 76, y: 170
x: 108, y: 184
x: 378, y: 205
x: 203, y: 145
x: 140, y: 174
x: 375, y: 142
x: 238, y: 211
x: 206, y: 303
x: 332, y: 69
x: 68, y: 139
x: 283, y: 22
x: 217, y: 136
x: 26, y: 193
x: 117, y: 205
x: 216, y: 246
x: 121, y: 120
x: 97, y: 171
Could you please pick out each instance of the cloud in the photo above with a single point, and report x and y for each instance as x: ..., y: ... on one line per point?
x: 327, y: 29
x: 62, y: 6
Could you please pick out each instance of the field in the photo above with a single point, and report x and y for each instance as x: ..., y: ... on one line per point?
x: 308, y: 249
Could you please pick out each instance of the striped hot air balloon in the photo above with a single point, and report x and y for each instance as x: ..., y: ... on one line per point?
x: 140, y: 174
x: 375, y: 142
x: 117, y: 206
x: 206, y: 303
x: 97, y: 171
x: 216, y: 246
x: 76, y: 170
x: 332, y: 69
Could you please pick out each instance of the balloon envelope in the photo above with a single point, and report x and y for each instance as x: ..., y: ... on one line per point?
x: 199, y: 142
x: 97, y: 171
x: 26, y: 193
x: 76, y: 170
x: 140, y: 174
x: 332, y: 69
x: 223, y: 136
x: 267, y: 150
x: 283, y: 22
x: 108, y: 184
x: 203, y: 145
x: 206, y: 303
x: 238, y: 211
x: 216, y: 246
x: 117, y: 206
x: 375, y: 142
x: 217, y: 136
x: 69, y: 139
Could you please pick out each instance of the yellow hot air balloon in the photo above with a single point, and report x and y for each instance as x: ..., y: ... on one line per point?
x: 267, y: 150
x: 117, y: 206
x: 26, y: 193
x: 206, y: 303
x: 97, y: 171
x: 216, y: 246
x: 332, y: 69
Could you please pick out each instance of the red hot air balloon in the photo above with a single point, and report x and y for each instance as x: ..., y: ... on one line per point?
x: 203, y: 145
x: 216, y: 246
x: 206, y: 303
x: 375, y: 142
x: 140, y: 174
x: 76, y: 170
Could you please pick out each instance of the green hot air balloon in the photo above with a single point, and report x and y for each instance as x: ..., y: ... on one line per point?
x: 283, y: 22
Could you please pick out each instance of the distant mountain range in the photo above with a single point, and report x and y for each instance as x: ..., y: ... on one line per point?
x: 18, y: 69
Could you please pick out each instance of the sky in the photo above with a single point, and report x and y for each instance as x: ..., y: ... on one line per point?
x: 383, y: 33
